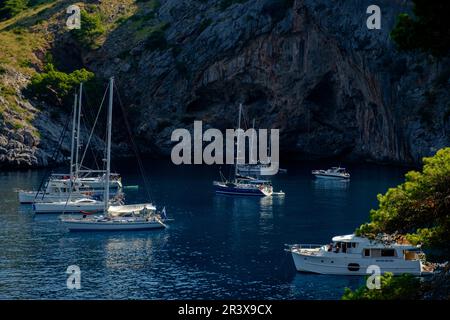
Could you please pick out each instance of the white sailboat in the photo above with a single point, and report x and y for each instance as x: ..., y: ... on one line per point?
x: 71, y: 199
x: 80, y: 183
x: 120, y: 217
x: 241, y: 185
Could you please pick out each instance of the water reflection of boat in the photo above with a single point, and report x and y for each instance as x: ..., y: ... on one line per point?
x: 331, y: 184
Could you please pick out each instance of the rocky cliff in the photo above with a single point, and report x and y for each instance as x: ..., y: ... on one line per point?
x: 308, y: 67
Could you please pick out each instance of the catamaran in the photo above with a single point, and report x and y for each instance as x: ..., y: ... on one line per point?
x: 332, y: 173
x: 117, y: 217
x: 352, y: 255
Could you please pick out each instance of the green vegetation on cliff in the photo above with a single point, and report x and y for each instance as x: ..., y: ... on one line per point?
x: 54, y: 86
x: 92, y: 29
x: 419, y: 208
x: 404, y: 287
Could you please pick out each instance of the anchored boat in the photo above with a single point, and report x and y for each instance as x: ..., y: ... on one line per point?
x: 60, y: 186
x: 122, y: 217
x: 246, y: 186
x: 69, y: 206
x: 332, y: 173
x: 242, y: 185
x: 81, y: 182
x: 352, y: 255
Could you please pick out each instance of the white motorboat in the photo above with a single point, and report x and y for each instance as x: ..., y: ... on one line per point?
x: 116, y: 218
x: 332, y: 173
x: 352, y: 255
x: 83, y: 205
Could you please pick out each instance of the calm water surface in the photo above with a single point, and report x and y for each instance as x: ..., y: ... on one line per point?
x: 218, y: 247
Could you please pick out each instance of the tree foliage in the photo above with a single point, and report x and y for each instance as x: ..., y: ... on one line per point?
x: 54, y: 86
x: 10, y: 8
x: 428, y: 30
x: 404, y: 287
x: 419, y: 208
x: 91, y: 28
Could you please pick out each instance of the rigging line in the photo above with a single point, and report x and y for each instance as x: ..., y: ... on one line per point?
x: 134, y: 146
x: 54, y: 155
x: 91, y: 116
x: 93, y: 127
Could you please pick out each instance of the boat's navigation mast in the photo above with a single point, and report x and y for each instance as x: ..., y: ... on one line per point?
x: 108, y: 144
x: 77, y: 166
x: 237, y: 144
x: 73, y: 138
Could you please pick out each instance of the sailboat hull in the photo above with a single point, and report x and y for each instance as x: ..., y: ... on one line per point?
x: 29, y: 197
x: 60, y: 207
x: 111, y: 226
x: 223, y: 189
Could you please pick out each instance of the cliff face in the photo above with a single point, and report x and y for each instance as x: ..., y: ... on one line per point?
x: 308, y: 67
x: 311, y: 68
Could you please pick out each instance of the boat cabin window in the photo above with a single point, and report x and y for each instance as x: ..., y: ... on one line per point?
x: 410, y: 255
x: 377, y: 253
x: 388, y: 253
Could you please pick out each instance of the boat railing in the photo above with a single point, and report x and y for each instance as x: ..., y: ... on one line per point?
x: 305, y: 246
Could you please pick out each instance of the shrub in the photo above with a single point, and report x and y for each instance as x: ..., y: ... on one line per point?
x: 91, y: 28
x: 404, y: 287
x: 54, y: 86
x: 418, y: 208
x: 10, y: 8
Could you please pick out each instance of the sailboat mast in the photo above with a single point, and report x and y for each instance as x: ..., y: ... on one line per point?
x: 251, y: 144
x: 237, y: 144
x: 108, y: 143
x: 77, y: 166
x: 73, y: 136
